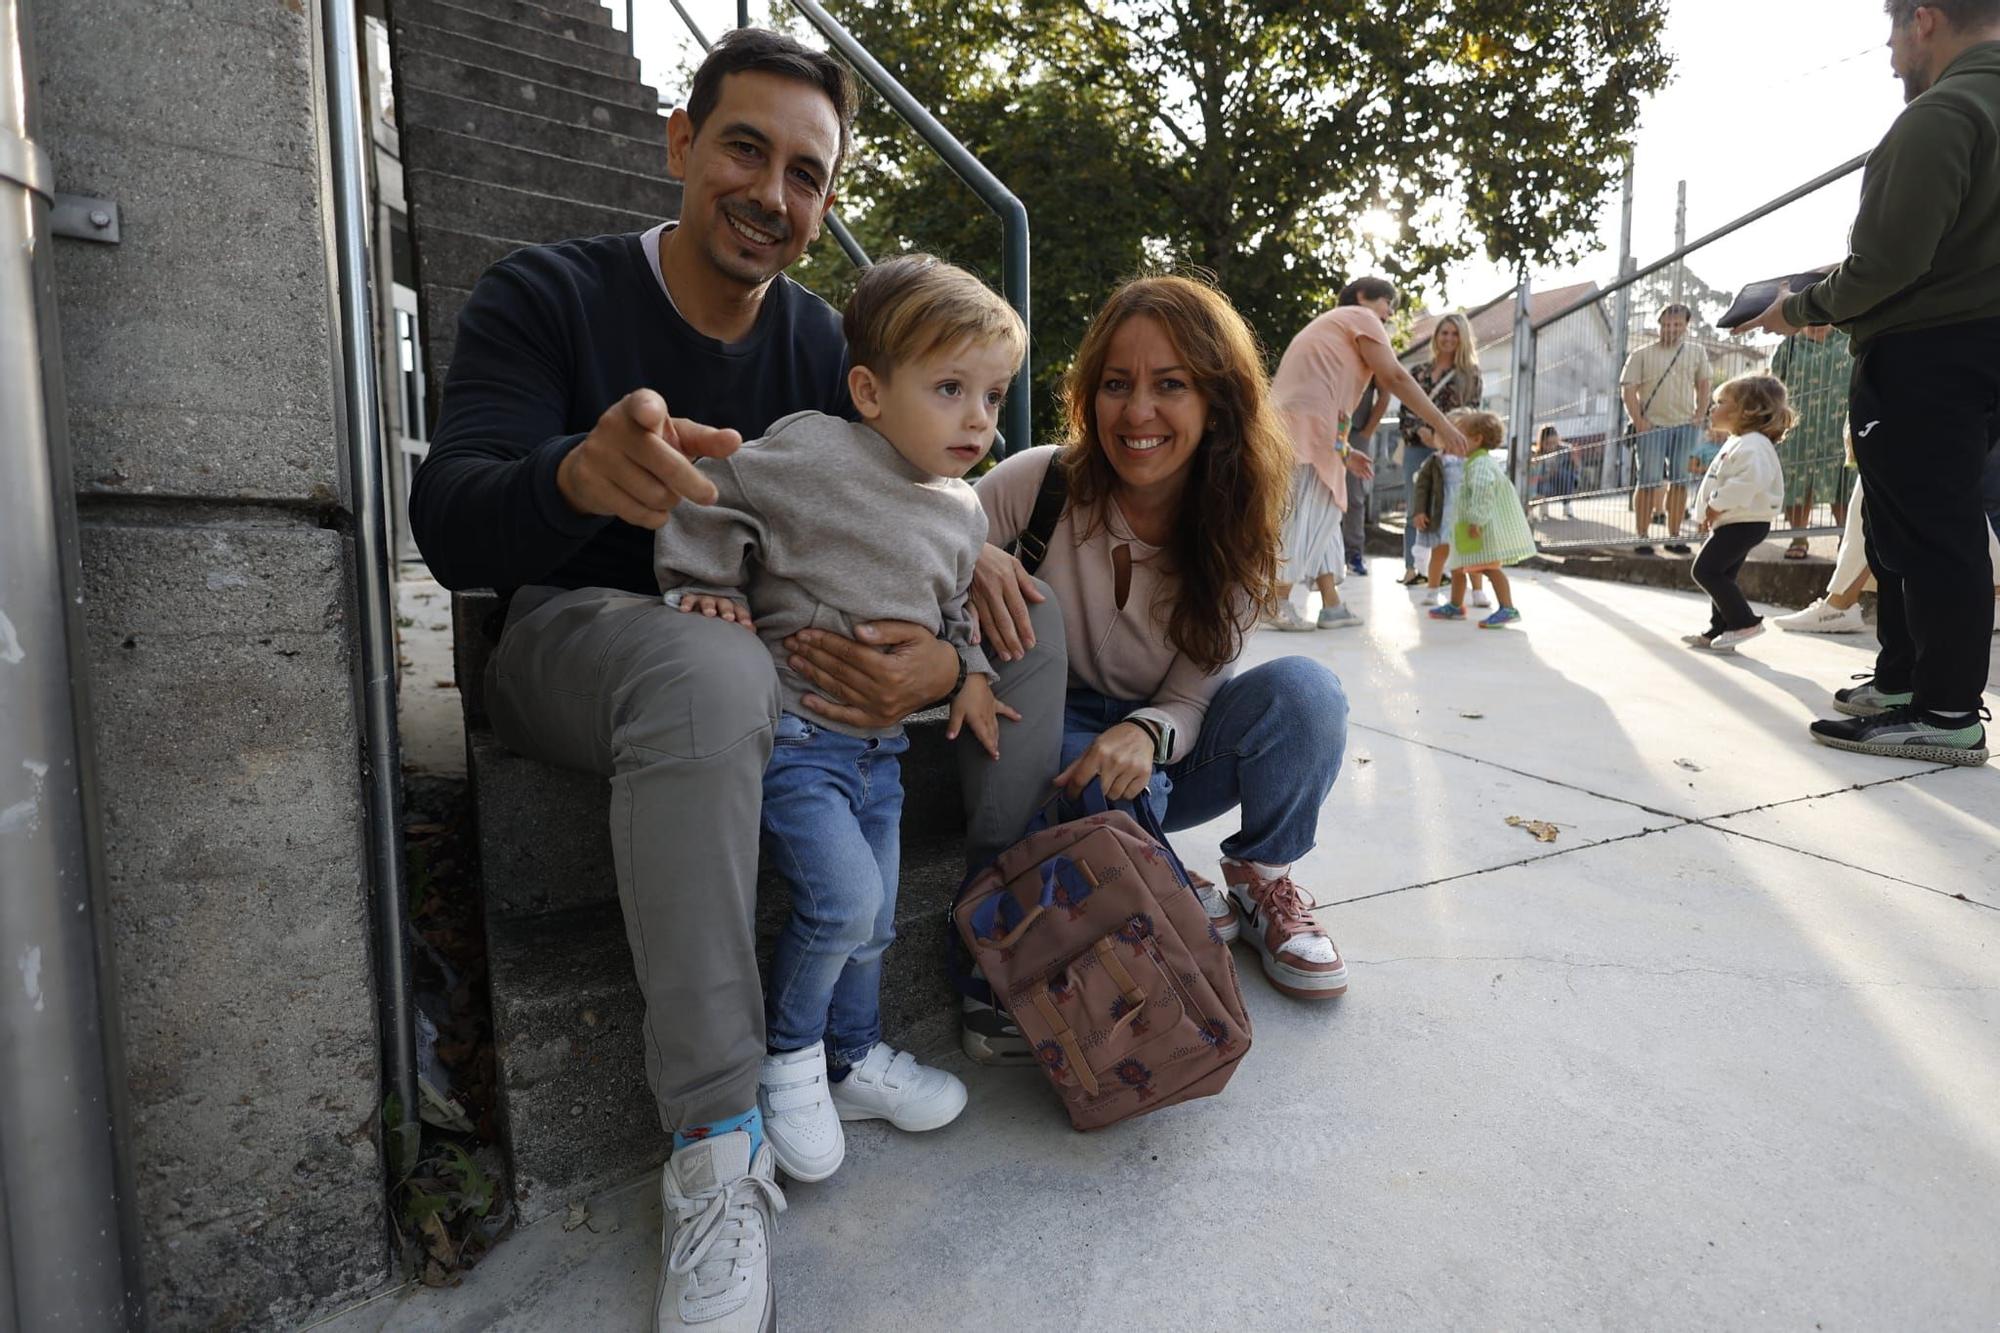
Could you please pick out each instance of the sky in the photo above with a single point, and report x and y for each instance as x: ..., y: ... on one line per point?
x: 1767, y: 95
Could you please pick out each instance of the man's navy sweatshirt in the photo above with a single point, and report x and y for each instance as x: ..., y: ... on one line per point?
x: 551, y: 337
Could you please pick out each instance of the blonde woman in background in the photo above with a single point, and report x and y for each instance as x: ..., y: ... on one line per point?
x: 1451, y: 380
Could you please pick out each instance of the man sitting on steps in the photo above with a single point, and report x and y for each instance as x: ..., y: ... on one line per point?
x: 554, y: 461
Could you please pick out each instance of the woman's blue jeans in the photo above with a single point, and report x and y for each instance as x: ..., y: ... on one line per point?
x: 1414, y: 457
x: 1271, y: 744
x: 833, y: 814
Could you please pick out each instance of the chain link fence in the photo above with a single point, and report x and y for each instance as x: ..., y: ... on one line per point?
x: 1607, y: 409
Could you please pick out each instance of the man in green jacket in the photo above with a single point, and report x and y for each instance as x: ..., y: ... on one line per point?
x: 1919, y: 294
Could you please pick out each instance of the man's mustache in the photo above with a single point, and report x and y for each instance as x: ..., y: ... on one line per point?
x: 752, y: 216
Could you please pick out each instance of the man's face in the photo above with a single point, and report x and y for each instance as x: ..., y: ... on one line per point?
x: 1910, y: 51
x: 757, y: 178
x: 1673, y: 327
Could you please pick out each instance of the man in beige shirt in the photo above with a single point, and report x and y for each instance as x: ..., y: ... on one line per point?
x: 1665, y: 385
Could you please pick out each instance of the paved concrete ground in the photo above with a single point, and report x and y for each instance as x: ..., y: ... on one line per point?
x: 1725, y: 1054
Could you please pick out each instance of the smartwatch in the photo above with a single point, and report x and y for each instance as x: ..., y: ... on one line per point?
x: 1162, y: 734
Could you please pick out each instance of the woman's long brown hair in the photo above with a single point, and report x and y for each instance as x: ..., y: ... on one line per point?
x: 1225, y: 544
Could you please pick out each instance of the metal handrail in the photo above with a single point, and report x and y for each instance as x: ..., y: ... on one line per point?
x: 1763, y: 210
x: 1018, y: 425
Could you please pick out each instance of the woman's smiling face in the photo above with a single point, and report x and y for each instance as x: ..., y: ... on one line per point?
x: 1150, y: 416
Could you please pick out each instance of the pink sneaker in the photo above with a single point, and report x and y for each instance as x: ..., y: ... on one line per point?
x: 1299, y: 959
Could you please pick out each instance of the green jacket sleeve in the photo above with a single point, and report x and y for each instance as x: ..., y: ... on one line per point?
x: 1911, y: 191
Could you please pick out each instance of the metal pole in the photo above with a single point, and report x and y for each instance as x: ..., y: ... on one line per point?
x: 1756, y: 214
x: 1018, y: 432
x: 1613, y: 458
x: 71, y: 1257
x: 1681, y: 240
x: 1523, y: 425
x: 375, y: 661
x: 742, y: 13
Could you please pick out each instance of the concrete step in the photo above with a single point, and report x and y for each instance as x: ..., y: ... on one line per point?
x: 517, y: 168
x: 544, y: 832
x: 458, y: 258
x: 442, y: 199
x: 590, y: 11
x: 440, y: 307
x: 647, y: 153
x: 576, y: 1112
x: 613, y: 58
x: 623, y: 89
x: 532, y: 14
x: 455, y: 77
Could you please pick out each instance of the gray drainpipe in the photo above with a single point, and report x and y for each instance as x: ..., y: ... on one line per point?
x: 347, y: 146
x: 66, y: 1217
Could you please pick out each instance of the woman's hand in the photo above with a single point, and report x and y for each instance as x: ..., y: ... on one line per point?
x: 1121, y: 759
x: 1423, y: 522
x: 1360, y: 464
x: 1001, y: 591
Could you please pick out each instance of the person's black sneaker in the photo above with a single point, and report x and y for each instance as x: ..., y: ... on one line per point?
x: 1865, y: 700
x: 1642, y: 550
x: 1909, y: 733
x: 1680, y: 548
x: 988, y: 1036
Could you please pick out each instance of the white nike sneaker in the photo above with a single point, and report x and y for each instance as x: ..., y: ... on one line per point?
x: 715, y: 1253
x: 1820, y: 618
x: 799, y: 1120
x: 890, y: 1085
x: 1337, y: 617
x: 1479, y: 597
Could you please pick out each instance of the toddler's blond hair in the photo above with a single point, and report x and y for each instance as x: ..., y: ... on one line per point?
x: 914, y: 304
x: 1484, y: 429
x: 1761, y: 405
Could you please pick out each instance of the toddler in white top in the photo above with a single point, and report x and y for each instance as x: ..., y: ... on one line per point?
x: 1742, y: 493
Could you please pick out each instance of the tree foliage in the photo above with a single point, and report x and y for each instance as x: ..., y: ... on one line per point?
x: 1245, y: 136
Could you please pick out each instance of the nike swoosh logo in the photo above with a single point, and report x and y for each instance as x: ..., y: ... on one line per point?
x: 1862, y: 434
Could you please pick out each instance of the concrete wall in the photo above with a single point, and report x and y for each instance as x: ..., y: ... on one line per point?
x: 203, y: 406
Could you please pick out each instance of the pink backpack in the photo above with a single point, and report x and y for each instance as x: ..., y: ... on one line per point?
x: 1092, y: 939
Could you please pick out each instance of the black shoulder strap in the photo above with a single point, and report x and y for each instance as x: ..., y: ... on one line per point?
x: 1032, y: 546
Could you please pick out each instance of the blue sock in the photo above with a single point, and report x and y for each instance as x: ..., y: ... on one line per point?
x: 751, y: 1120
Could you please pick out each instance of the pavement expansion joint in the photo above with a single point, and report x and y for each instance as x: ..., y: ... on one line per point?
x: 1849, y: 865
x: 1505, y: 865
x: 1524, y: 773
x: 1615, y: 966
x: 1824, y: 795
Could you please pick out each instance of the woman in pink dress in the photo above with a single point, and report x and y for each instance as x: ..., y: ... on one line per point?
x: 1318, y: 385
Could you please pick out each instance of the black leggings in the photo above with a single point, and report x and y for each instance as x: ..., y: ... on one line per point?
x: 1722, y: 555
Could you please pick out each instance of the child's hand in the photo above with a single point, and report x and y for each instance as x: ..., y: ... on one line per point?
x: 1423, y: 522
x: 976, y: 705
x: 721, y: 608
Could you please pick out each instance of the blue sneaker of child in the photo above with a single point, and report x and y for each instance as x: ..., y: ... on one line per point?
x: 1449, y: 611
x: 1506, y: 615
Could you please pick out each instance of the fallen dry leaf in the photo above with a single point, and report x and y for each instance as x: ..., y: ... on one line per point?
x: 577, y: 1216
x: 1474, y: 716
x: 1689, y: 764
x: 1541, y: 828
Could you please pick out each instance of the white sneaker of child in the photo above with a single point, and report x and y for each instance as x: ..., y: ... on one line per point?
x: 1823, y: 618
x: 1479, y: 597
x: 890, y: 1085
x: 800, y: 1123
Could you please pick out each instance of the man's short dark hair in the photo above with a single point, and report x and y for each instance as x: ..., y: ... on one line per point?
x: 1677, y: 308
x: 1368, y: 289
x: 743, y: 50
x: 1961, y: 14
